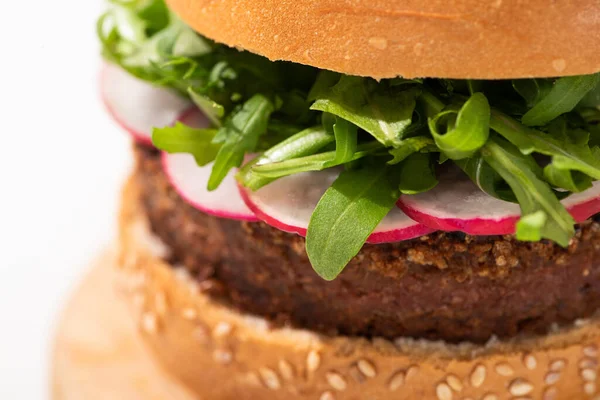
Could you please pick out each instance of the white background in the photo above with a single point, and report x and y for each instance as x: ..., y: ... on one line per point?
x: 61, y: 163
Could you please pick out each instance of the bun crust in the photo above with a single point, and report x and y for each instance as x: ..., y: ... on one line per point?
x: 220, y: 354
x: 479, y: 39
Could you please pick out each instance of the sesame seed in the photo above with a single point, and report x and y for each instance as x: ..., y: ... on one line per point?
x: 327, y: 396
x: 551, y: 378
x: 550, y: 393
x: 367, y: 368
x: 520, y: 387
x: 411, y: 372
x: 588, y: 374
x: 286, y: 370
x: 336, y: 381
x: 454, y: 383
x: 149, y: 323
x: 504, y: 369
x: 590, y: 351
x: 478, y: 375
x: 559, y: 64
x: 270, y: 378
x: 589, y: 388
x: 223, y: 356
x: 189, y: 314
x: 557, y: 365
x: 529, y: 361
x: 396, y: 381
x: 313, y: 360
x: 160, y: 303
x: 378, y: 42
x: 490, y: 396
x: 222, y: 329
x: 443, y: 391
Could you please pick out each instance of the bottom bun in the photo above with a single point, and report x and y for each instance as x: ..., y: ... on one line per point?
x: 221, y: 354
x: 98, y: 354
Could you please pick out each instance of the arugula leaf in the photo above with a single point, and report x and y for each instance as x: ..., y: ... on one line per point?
x: 530, y: 226
x: 532, y: 90
x: 301, y: 144
x: 566, y: 155
x: 417, y: 174
x: 385, y: 114
x: 592, y: 98
x: 315, y: 162
x: 564, y: 96
x: 573, y: 181
x: 184, y: 139
x: 213, y: 110
x: 486, y: 178
x: 346, y: 215
x: 411, y: 145
x: 468, y: 133
x: 345, y: 141
x: 523, y: 175
x: 239, y: 136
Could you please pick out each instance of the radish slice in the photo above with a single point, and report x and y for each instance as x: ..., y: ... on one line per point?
x: 288, y: 203
x: 190, y: 181
x: 585, y: 204
x: 457, y: 204
x: 138, y: 106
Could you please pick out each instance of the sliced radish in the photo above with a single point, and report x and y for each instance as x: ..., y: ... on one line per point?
x: 190, y: 180
x: 585, y: 204
x: 288, y: 203
x: 138, y: 106
x: 457, y: 204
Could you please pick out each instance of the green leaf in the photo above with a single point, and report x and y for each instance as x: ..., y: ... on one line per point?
x: 345, y: 217
x: 532, y: 90
x: 486, y: 178
x: 183, y: 139
x: 240, y: 135
x: 213, y: 110
x: 566, y: 154
x: 301, y: 144
x: 411, y: 145
x: 566, y: 93
x: 315, y: 162
x: 417, y: 174
x: 530, y: 226
x: 592, y: 98
x: 470, y: 131
x: 385, y: 114
x: 573, y: 181
x: 523, y: 175
x: 345, y: 140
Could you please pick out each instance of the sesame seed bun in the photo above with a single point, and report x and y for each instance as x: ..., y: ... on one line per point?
x: 489, y: 39
x: 221, y: 354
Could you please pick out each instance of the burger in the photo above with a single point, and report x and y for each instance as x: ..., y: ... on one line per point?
x: 362, y: 199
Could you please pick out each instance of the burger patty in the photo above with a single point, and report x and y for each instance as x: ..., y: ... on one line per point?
x: 448, y: 286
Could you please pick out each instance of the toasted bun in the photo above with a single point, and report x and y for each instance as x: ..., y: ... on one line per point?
x: 480, y: 39
x: 221, y: 354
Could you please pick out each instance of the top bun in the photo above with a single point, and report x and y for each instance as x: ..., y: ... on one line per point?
x: 479, y: 39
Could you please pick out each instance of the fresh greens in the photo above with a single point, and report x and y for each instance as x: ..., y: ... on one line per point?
x: 346, y: 215
x: 563, y: 97
x: 530, y: 141
x: 239, y: 135
x: 183, y: 139
x: 466, y: 129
